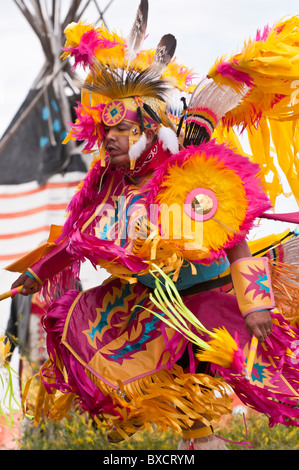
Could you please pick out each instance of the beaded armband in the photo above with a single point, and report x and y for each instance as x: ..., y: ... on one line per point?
x: 252, y: 283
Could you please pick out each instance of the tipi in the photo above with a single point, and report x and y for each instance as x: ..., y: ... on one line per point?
x: 34, y: 195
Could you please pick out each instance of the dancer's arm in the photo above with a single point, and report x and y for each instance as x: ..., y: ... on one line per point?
x: 49, y: 265
x: 259, y: 322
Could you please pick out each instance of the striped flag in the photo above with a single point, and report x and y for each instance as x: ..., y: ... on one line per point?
x: 28, y: 210
x: 26, y: 213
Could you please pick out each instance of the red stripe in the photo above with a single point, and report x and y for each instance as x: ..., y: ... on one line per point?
x: 12, y: 257
x: 45, y: 228
x: 46, y: 207
x: 37, y: 190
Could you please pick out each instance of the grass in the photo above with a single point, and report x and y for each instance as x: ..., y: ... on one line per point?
x: 82, y: 434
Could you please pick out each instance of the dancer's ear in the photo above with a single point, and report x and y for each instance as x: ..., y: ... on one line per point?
x: 150, y: 135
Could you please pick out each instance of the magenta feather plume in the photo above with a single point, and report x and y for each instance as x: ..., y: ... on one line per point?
x: 226, y: 70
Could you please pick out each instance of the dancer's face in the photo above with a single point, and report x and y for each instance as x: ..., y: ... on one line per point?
x: 117, y: 143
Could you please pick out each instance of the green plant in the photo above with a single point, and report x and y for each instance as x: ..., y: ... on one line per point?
x: 83, y: 434
x: 254, y: 429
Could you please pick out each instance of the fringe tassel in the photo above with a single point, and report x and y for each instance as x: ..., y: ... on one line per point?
x: 167, y: 398
x: 285, y: 284
x: 62, y: 282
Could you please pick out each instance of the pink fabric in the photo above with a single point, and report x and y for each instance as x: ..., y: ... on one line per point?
x: 83, y: 202
x: 277, y: 399
x: 53, y: 262
x: 89, y: 397
x: 83, y: 245
x: 292, y: 217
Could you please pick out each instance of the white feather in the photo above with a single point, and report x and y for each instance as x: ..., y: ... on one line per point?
x: 169, y: 139
x: 137, y: 149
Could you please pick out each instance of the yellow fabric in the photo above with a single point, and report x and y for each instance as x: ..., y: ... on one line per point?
x: 252, y: 283
x: 197, y: 433
x: 263, y: 244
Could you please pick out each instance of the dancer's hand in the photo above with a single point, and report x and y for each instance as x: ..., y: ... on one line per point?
x: 259, y: 324
x: 30, y: 286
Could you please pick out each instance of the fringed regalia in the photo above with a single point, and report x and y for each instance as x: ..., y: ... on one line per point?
x: 163, y: 340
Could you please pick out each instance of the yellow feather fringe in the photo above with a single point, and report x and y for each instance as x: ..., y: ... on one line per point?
x: 285, y: 284
x: 222, y: 349
x: 270, y: 111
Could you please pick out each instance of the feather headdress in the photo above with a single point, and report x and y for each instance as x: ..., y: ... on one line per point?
x: 119, y: 83
x: 128, y: 82
x: 208, y: 104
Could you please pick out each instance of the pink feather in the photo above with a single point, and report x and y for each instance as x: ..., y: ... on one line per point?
x: 226, y: 70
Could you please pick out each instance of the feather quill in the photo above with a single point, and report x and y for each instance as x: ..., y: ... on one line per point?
x: 138, y: 31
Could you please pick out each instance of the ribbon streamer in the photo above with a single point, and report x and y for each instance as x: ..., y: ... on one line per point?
x: 251, y: 356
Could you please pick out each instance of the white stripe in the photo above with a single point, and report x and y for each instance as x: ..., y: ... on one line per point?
x: 22, y: 224
x: 45, y: 217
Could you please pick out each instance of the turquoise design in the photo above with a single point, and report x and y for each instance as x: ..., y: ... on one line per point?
x: 56, y: 125
x: 187, y: 279
x: 45, y: 113
x: 43, y: 142
x: 137, y: 346
x: 113, y: 112
x: 55, y: 106
x: 260, y: 282
x: 257, y: 374
x: 119, y: 301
